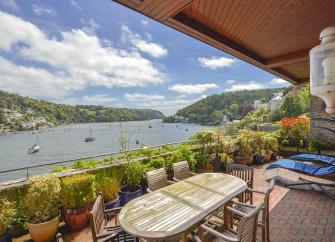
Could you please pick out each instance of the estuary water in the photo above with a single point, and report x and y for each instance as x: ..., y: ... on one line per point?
x: 67, y: 142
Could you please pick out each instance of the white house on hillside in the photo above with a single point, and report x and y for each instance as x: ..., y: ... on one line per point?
x: 260, y: 104
x: 276, y: 102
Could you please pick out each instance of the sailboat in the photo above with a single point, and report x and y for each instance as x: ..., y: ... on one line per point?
x: 35, y: 147
x: 90, y: 138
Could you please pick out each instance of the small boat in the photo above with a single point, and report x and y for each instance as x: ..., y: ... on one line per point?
x: 149, y: 126
x: 186, y: 129
x: 138, y: 141
x: 90, y: 138
x: 35, y: 147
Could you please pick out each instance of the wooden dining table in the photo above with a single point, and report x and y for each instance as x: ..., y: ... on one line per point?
x: 175, y: 209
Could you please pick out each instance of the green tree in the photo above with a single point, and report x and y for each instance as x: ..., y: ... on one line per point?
x: 233, y: 109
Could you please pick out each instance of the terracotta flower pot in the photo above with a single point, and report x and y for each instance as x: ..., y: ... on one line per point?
x: 267, y: 156
x: 77, y: 218
x: 243, y: 160
x: 44, y: 232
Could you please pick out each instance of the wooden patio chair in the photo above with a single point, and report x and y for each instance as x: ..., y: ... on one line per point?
x: 263, y: 218
x: 181, y: 171
x: 245, y: 173
x: 157, y: 179
x: 101, y: 231
x: 245, y: 231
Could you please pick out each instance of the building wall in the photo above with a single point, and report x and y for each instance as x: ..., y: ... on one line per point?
x: 322, y: 123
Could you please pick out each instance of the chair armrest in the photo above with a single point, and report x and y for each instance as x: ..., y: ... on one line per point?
x: 195, y: 238
x: 218, y: 234
x: 113, y: 210
x: 243, y: 204
x: 175, y: 179
x: 234, y: 211
x: 148, y: 190
x: 171, y: 182
x: 255, y: 191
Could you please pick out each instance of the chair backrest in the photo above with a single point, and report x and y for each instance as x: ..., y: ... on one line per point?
x: 98, y: 218
x: 157, y: 179
x: 247, y: 227
x: 181, y: 170
x: 267, y: 198
x: 245, y: 173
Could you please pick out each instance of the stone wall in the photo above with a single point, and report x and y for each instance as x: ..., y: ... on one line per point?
x: 322, y: 123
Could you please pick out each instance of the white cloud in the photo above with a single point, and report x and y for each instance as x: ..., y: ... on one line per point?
x: 98, y: 99
x: 150, y: 48
x: 245, y: 86
x: 139, y: 97
x: 90, y: 25
x: 145, y: 23
x: 40, y: 10
x: 231, y: 81
x: 75, y: 4
x: 192, y: 89
x: 10, y: 4
x: 216, y: 62
x: 160, y: 102
x: 81, y: 60
x: 278, y: 81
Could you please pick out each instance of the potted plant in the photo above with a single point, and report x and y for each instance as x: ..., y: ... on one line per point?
x: 244, y: 151
x: 225, y: 160
x: 271, y: 148
x: 78, y: 195
x: 257, y: 142
x: 201, y: 164
x: 7, y: 213
x: 110, y: 187
x: 134, y: 174
x: 41, y: 205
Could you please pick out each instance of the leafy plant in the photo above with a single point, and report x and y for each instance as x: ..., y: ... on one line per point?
x: 42, y: 199
x: 157, y: 162
x: 244, y: 144
x: 109, y: 186
x: 134, y: 174
x: 200, y: 159
x: 78, y: 190
x: 7, y: 213
x: 271, y: 144
x: 226, y: 158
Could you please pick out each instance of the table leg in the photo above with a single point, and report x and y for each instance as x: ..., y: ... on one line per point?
x: 183, y: 237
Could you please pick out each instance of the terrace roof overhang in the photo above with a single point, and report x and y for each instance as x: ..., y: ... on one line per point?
x: 275, y: 35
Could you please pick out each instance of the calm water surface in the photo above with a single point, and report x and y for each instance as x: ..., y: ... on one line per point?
x: 67, y: 142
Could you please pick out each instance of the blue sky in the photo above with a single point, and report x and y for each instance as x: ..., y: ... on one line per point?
x: 99, y: 52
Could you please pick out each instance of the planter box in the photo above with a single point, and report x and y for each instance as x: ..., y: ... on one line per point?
x: 77, y: 218
x: 246, y: 160
x: 126, y: 196
x: 44, y: 232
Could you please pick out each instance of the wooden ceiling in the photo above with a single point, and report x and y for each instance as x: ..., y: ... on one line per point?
x: 275, y: 35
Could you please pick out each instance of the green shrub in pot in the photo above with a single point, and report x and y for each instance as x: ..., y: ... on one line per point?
x: 78, y: 195
x: 7, y: 213
x: 41, y: 204
x: 110, y: 187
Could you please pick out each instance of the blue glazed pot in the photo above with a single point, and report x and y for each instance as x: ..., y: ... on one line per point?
x: 5, y: 238
x: 126, y: 196
x: 113, y: 204
x: 258, y: 159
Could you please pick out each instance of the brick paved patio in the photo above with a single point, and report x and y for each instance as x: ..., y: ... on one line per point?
x: 295, y: 215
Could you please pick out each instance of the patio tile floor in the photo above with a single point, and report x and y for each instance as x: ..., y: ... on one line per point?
x: 295, y: 215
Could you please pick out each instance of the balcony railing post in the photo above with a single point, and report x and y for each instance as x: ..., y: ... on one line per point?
x: 27, y: 173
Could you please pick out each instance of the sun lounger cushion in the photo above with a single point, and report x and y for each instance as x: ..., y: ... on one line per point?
x: 310, y: 169
x: 313, y: 157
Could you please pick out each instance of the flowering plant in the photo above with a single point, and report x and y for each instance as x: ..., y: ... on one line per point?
x: 298, y: 127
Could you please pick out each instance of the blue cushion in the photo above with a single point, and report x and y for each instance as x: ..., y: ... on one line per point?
x: 310, y: 169
x: 313, y: 157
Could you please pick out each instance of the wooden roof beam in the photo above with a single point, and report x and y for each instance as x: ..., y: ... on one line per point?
x: 287, y: 59
x: 192, y: 27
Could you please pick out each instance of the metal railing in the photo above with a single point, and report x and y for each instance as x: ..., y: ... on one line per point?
x: 27, y: 169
